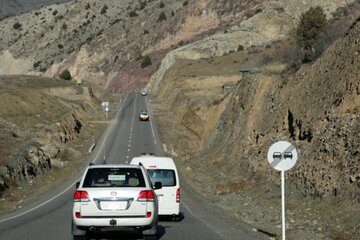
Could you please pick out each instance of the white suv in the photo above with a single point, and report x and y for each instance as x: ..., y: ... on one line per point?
x: 115, y: 197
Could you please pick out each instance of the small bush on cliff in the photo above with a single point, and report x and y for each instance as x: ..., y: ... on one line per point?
x: 146, y: 61
x: 104, y: 9
x: 65, y: 75
x: 133, y: 14
x: 17, y: 25
x: 308, y: 31
x: 162, y: 17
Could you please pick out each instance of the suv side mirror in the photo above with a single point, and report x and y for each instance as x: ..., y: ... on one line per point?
x: 158, y: 185
x: 77, y: 184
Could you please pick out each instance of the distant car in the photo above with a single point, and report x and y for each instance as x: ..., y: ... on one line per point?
x: 144, y: 116
x: 115, y: 198
x: 143, y: 93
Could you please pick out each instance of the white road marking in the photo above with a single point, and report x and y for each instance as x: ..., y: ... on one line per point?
x: 202, y: 220
x: 40, y: 205
x: 152, y: 128
x: 72, y: 185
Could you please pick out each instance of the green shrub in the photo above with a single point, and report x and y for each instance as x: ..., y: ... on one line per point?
x: 185, y: 3
x: 146, y: 61
x: 17, y: 25
x: 162, y: 17
x: 142, y: 5
x: 87, y: 6
x: 146, y: 31
x: 162, y: 5
x: 133, y: 14
x: 37, y: 64
x: 103, y: 9
x: 308, y: 31
x: 65, y: 75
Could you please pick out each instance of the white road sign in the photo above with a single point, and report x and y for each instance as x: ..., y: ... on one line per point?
x: 105, y: 104
x: 282, y: 155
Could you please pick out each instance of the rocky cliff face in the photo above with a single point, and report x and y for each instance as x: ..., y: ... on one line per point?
x: 219, y: 124
x: 317, y: 108
x: 40, y: 121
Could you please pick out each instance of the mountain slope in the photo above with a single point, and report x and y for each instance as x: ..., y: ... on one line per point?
x: 219, y: 124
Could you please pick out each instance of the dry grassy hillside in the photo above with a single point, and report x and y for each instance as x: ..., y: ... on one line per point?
x: 222, y: 123
x: 105, y: 42
x: 46, y: 128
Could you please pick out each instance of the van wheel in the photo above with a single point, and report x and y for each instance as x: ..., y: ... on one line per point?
x: 79, y: 238
x: 149, y: 237
x: 176, y: 218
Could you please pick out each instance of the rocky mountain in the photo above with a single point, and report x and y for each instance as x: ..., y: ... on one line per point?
x: 225, y: 83
x: 225, y: 108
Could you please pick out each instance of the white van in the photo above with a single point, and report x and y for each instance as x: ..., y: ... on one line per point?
x: 163, y: 169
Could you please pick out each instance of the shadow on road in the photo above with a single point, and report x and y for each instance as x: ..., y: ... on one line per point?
x: 109, y: 234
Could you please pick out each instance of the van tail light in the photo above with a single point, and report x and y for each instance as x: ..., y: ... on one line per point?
x: 81, y: 196
x: 146, y: 196
x: 178, y: 195
x: 148, y: 215
x: 77, y: 215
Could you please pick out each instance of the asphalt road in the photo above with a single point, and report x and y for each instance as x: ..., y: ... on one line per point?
x: 127, y: 137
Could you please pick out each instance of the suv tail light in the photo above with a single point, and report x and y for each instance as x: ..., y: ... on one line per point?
x: 146, y: 196
x: 178, y: 195
x: 81, y: 196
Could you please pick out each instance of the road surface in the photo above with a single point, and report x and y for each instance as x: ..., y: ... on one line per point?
x: 127, y: 137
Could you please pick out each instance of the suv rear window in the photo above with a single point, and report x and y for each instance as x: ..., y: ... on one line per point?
x: 166, y: 176
x: 114, y: 177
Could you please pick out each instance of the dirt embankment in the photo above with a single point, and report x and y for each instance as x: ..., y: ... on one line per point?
x: 222, y: 123
x: 46, y: 128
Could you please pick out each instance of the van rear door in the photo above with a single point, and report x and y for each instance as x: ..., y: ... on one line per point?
x: 169, y: 194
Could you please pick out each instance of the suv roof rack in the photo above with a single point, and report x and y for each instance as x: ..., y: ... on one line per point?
x: 91, y: 164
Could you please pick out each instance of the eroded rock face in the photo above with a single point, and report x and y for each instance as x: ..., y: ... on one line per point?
x: 30, y: 160
x: 317, y: 108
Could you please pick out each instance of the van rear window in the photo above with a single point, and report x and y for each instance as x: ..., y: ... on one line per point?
x: 165, y: 176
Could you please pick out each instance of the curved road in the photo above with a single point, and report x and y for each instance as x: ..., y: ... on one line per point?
x: 127, y: 137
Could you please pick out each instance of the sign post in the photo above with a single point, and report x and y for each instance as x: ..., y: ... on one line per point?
x: 106, y: 112
x: 282, y: 156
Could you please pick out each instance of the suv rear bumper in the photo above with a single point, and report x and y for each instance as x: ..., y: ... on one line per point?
x: 122, y: 222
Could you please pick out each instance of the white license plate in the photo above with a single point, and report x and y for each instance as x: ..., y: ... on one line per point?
x: 118, y: 205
